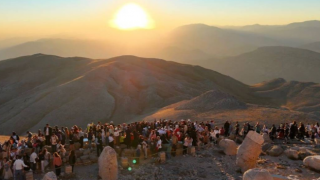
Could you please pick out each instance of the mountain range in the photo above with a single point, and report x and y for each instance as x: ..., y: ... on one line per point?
x: 266, y: 63
x: 40, y: 89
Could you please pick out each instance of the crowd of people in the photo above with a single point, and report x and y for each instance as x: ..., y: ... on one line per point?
x: 162, y: 135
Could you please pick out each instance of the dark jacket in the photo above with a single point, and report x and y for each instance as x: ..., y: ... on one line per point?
x: 50, y: 131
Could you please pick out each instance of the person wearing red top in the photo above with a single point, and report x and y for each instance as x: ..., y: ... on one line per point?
x: 57, y: 162
x: 221, y: 131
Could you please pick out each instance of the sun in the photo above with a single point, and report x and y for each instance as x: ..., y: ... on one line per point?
x: 132, y: 16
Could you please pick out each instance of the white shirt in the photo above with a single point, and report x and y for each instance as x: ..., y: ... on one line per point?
x: 19, y: 164
x: 110, y: 138
x: 159, y: 143
x: 33, y: 157
x: 47, y: 131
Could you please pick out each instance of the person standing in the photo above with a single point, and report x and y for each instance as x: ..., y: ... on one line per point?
x: 44, y: 158
x: 90, y: 138
x: 57, y: 162
x: 226, y: 128
x: 18, y: 168
x: 99, y: 144
x: 237, y: 128
x: 33, y: 162
x: 54, y: 141
x: 81, y: 135
x: 159, y: 144
x: 72, y: 159
x: 7, y: 173
x: 47, y: 132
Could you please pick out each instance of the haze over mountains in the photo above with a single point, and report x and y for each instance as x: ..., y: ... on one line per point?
x: 198, y: 38
x: 41, y: 89
x: 266, y: 63
x: 253, y: 49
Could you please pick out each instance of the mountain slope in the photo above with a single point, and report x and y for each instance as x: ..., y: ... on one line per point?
x: 269, y: 63
x: 217, y: 41
x: 312, y: 46
x: 294, y: 34
x: 61, y: 47
x: 41, y: 89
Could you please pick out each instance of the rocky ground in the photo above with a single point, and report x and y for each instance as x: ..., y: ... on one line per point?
x: 209, y: 162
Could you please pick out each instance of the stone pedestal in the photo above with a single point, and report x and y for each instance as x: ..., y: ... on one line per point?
x: 108, y: 164
x: 249, y: 151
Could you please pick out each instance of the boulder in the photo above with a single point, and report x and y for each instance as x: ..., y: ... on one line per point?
x: 232, y: 137
x: 68, y: 169
x: 179, y: 152
x: 292, y: 154
x: 108, y: 164
x: 266, y: 147
x: 229, y: 147
x: 86, y: 152
x: 239, y: 140
x: 257, y: 174
x: 50, y: 176
x: 85, y: 157
x: 86, y: 162
x: 279, y: 177
x: 266, y: 138
x: 124, y: 162
x: 249, y: 151
x: 312, y: 162
x: 275, y: 151
x: 191, y: 150
x: 302, y: 155
x: 162, y: 157
x: 93, y: 158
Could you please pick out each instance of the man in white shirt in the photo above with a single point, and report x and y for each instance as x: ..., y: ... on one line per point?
x: 33, y: 158
x: 159, y: 144
x: 18, y: 167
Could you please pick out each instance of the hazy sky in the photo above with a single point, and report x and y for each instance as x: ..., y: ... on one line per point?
x: 54, y: 17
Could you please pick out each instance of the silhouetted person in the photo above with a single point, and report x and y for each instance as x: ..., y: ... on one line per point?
x: 47, y: 131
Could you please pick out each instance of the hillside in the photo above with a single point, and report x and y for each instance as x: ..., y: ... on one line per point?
x: 61, y: 47
x: 312, y: 46
x: 217, y: 41
x: 293, y: 34
x: 268, y: 63
x: 41, y: 89
x: 297, y: 96
x: 221, y: 107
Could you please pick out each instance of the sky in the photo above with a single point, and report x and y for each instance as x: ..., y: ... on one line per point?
x: 19, y: 18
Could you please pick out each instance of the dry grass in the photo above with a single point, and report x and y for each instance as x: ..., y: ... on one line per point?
x: 4, y: 138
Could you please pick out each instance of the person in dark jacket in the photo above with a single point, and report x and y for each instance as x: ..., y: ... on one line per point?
x: 226, y: 128
x: 72, y: 159
x: 273, y: 132
x: 293, y: 130
x: 47, y: 131
x: 99, y: 144
x: 302, y: 131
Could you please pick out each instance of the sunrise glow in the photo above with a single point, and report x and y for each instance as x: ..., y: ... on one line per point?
x: 132, y: 16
